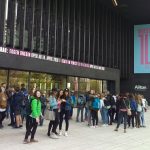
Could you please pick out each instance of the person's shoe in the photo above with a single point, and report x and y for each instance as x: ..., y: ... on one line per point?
x: 104, y: 125
x: 66, y: 134
x: 144, y: 126
x: 10, y: 124
x: 20, y: 126
x: 92, y: 126
x: 53, y: 136
x: 1, y: 126
x: 125, y: 131
x: 96, y: 126
x: 60, y: 132
x: 33, y: 141
x: 26, y: 141
x: 116, y: 129
x: 56, y: 133
x: 16, y: 127
x: 48, y: 134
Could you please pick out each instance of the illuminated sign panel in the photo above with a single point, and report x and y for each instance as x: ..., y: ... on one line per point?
x: 142, y: 48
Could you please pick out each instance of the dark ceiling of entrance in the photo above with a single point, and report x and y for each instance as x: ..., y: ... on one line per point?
x: 138, y: 11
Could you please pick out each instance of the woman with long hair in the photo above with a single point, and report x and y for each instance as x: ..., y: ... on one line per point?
x: 65, y: 111
x: 54, y: 110
x: 123, y: 104
x: 139, y: 110
x: 34, y: 117
x: 133, y: 106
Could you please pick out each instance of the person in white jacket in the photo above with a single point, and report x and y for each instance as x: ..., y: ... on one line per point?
x: 144, y: 108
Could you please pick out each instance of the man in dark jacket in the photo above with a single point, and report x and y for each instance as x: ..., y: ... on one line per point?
x: 112, y: 109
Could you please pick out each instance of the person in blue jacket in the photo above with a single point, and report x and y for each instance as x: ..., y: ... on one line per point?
x: 133, y: 107
x: 73, y: 103
x: 55, y: 120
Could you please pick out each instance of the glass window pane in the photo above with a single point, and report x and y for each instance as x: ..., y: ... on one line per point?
x: 72, y: 83
x: 3, y: 76
x: 38, y: 80
x: 16, y: 78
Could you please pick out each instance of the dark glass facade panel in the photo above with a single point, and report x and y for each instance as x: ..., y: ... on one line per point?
x: 85, y: 31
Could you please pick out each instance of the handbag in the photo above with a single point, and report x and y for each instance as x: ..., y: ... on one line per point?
x: 51, y: 115
x: 47, y: 114
x: 129, y: 113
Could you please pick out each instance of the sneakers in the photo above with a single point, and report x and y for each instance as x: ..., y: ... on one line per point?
x: 92, y: 126
x: 60, y: 132
x: 116, y: 129
x: 53, y: 136
x: 105, y: 125
x: 33, y: 141
x: 26, y: 141
x: 65, y: 134
x: 48, y: 134
x: 1, y: 126
x: 96, y: 126
x: 125, y: 131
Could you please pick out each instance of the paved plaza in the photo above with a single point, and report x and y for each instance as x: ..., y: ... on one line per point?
x: 81, y: 137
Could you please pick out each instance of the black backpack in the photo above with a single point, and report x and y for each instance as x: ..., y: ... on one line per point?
x: 28, y: 106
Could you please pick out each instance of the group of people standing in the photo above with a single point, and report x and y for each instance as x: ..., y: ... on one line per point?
x: 58, y: 105
x: 124, y: 108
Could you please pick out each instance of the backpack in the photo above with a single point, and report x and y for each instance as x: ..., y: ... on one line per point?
x: 96, y: 103
x: 25, y: 97
x: 3, y: 100
x: 28, y: 106
x: 81, y: 101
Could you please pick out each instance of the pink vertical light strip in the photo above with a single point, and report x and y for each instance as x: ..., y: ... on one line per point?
x: 146, y: 48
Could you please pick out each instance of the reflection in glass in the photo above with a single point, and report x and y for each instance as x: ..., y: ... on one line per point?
x: 16, y: 78
x: 3, y: 76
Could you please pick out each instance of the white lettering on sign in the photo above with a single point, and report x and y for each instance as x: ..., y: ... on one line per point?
x: 3, y: 50
x: 14, y: 51
x: 41, y: 56
x: 33, y: 55
x: 49, y: 58
x: 24, y: 53
x: 140, y: 87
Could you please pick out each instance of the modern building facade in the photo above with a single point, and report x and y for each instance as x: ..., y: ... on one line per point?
x: 78, y: 44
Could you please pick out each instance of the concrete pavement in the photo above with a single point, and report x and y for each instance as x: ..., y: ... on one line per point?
x: 81, y: 137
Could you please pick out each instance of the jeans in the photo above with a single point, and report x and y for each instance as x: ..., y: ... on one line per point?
x: 111, y: 113
x: 65, y: 113
x: 12, y: 115
x: 105, y: 115
x: 132, y: 118
x: 142, y: 118
x: 78, y: 113
x: 71, y: 112
x: 2, y: 116
x: 86, y: 113
x: 89, y: 116
x: 54, y: 124
x: 138, y: 119
x: 94, y: 117
x: 41, y: 118
x: 122, y: 115
x: 31, y: 128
